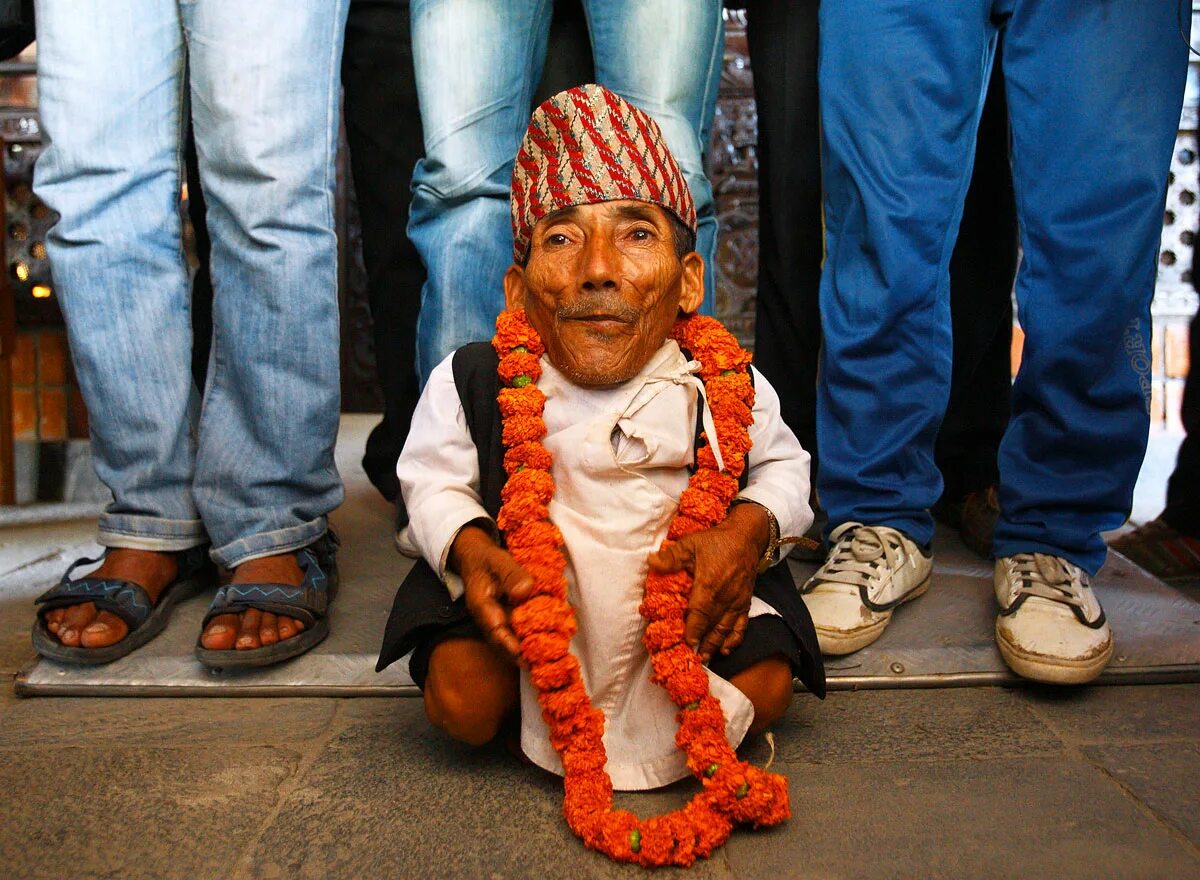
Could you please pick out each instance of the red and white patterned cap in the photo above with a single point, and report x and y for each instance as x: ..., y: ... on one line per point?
x: 587, y: 145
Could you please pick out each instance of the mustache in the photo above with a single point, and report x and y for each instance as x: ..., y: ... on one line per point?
x: 610, y: 308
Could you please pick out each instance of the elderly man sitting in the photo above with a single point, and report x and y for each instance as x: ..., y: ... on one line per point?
x: 604, y: 232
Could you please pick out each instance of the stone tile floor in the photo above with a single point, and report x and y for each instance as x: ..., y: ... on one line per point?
x: 987, y: 782
x: 958, y: 783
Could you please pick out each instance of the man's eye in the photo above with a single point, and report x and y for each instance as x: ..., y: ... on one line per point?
x: 642, y: 234
x: 556, y: 238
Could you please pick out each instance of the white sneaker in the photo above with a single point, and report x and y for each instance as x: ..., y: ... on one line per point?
x: 868, y: 572
x: 1051, y: 627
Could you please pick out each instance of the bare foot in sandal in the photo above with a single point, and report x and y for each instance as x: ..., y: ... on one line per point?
x: 253, y: 628
x: 83, y: 626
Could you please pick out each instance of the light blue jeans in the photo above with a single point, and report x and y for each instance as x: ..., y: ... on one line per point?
x: 477, y: 65
x: 250, y: 467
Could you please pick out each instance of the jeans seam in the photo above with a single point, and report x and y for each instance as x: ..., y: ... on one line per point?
x: 714, y: 55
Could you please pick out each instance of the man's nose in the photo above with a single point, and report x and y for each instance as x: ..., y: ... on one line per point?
x: 600, y: 263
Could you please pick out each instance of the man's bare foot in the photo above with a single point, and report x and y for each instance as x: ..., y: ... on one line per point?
x: 253, y: 628
x: 83, y: 626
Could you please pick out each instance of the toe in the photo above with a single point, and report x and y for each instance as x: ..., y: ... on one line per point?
x: 54, y: 619
x: 220, y: 633
x: 107, y: 629
x: 287, y: 628
x: 268, y: 629
x: 247, y: 639
x: 74, y: 622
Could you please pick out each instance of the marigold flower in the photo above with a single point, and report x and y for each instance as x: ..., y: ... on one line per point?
x: 720, y: 485
x: 539, y: 535
x: 527, y: 455
x: 684, y: 525
x: 615, y: 834
x: 721, y: 390
x: 711, y: 828
x: 543, y: 614
x: 527, y: 401
x: 702, y: 507
x: 522, y: 429
x: 518, y: 511
x: 661, y: 606
x: 662, y: 634
x: 576, y: 760
x: 667, y: 663
x: 678, y: 582
x: 513, y: 330
x: 555, y: 674
x: 547, y: 574
x: 529, y: 482
x: 687, y: 685
x: 545, y: 647
x: 565, y: 702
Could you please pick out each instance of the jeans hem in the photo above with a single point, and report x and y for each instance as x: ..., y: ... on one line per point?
x: 1085, y: 560
x: 918, y: 531
x: 137, y: 532
x: 273, y: 543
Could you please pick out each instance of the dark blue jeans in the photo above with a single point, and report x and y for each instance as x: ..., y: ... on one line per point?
x: 1094, y: 94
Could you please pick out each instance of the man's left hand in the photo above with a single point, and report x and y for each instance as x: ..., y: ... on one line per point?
x: 723, y: 561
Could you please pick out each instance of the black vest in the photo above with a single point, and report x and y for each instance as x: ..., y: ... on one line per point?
x: 422, y: 604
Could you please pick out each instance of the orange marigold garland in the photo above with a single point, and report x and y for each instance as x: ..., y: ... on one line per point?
x: 733, y: 791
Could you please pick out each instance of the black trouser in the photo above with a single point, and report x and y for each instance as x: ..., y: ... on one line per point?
x: 782, y: 35
x: 1182, y: 512
x: 383, y: 130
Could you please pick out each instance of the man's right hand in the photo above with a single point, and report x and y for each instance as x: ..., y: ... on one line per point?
x: 493, y: 582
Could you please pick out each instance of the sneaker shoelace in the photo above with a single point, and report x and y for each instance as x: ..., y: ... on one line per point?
x: 1049, y: 577
x: 855, y: 557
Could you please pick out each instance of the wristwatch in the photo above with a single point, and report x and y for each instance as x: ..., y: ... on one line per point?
x: 772, y: 551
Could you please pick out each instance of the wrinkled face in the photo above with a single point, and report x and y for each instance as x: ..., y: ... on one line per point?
x: 602, y: 286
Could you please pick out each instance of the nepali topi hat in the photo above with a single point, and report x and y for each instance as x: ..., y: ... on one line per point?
x: 588, y: 145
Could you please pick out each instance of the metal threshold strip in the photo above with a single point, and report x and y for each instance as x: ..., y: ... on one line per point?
x: 944, y: 639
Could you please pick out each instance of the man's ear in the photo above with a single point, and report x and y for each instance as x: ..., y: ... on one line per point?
x: 691, y: 292
x: 514, y: 287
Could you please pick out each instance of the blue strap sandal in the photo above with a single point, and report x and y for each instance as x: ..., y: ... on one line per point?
x: 308, y: 603
x: 126, y: 600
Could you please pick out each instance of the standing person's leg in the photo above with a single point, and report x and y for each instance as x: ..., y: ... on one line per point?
x: 901, y: 88
x: 664, y: 56
x: 1182, y: 512
x: 112, y: 169
x: 265, y: 96
x: 477, y: 65
x: 982, y: 270
x: 787, y: 331
x: 384, y: 133
x: 1092, y: 146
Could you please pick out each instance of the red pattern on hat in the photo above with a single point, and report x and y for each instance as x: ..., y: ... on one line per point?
x: 587, y: 145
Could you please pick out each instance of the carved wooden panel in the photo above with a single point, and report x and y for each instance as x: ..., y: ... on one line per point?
x: 732, y: 166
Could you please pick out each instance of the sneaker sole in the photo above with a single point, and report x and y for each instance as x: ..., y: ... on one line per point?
x: 1051, y: 670
x: 837, y: 642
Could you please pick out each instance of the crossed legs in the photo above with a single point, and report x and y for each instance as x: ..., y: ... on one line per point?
x: 471, y: 690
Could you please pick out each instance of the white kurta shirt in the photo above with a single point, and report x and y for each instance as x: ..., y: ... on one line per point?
x: 621, y: 457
